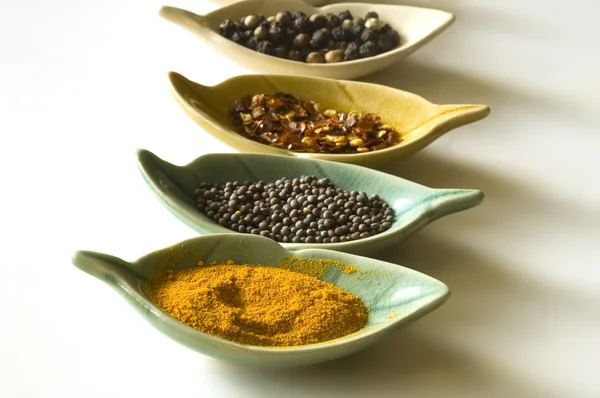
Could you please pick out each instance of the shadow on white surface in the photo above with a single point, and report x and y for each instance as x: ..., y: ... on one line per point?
x: 450, y: 86
x: 510, y: 200
x: 405, y: 364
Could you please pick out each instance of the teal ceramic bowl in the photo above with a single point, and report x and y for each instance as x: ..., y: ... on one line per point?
x: 394, y: 295
x: 415, y: 206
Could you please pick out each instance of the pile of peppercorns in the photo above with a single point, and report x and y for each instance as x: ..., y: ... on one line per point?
x: 316, y: 38
x: 305, y: 209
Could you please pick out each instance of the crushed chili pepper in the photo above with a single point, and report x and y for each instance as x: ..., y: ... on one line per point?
x: 284, y: 121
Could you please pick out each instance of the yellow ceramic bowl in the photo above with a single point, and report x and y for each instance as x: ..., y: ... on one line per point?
x: 419, y: 122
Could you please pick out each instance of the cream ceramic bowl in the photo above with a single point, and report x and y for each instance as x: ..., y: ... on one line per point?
x: 416, y: 26
x: 420, y: 122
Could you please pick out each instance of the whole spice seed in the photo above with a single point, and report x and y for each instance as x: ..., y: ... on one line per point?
x: 257, y: 305
x: 284, y: 121
x: 314, y: 34
x: 298, y: 210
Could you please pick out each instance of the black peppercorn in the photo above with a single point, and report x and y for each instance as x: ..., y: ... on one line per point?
x: 320, y: 39
x: 386, y: 28
x: 371, y: 14
x: 252, y: 42
x: 356, y: 31
x: 276, y: 34
x: 341, y: 45
x: 303, y: 24
x: 345, y: 15
x: 297, y: 14
x: 227, y: 28
x: 395, y: 37
x: 266, y: 47
x: 291, y: 31
x: 247, y: 34
x: 239, y: 26
x: 385, y: 43
x: 332, y: 20
x: 351, y: 53
x: 368, y: 49
x: 237, y: 37
x: 326, y: 32
x: 340, y: 33
x: 369, y: 35
x: 319, y: 21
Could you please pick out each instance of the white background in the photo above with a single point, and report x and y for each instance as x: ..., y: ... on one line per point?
x: 83, y: 85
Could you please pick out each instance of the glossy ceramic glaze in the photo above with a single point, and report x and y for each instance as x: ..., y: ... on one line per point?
x: 414, y: 205
x: 419, y: 121
x: 394, y: 295
x: 416, y: 26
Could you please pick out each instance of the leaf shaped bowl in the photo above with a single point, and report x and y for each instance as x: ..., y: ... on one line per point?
x: 417, y: 120
x: 414, y: 205
x: 394, y: 295
x: 415, y: 25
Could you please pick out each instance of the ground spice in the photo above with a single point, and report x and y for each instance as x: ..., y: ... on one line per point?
x: 316, y: 267
x: 254, y: 305
x: 284, y: 121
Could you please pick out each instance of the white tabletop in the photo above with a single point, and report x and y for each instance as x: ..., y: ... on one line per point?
x: 83, y: 85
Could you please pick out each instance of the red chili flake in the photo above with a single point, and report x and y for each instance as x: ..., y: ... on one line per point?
x: 284, y: 121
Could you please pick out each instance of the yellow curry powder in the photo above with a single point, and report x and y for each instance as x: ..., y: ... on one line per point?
x: 254, y: 305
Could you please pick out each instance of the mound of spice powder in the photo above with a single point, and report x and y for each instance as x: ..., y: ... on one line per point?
x: 259, y: 306
x: 284, y: 121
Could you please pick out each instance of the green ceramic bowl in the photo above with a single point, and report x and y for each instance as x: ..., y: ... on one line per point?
x: 415, y: 206
x: 394, y: 295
